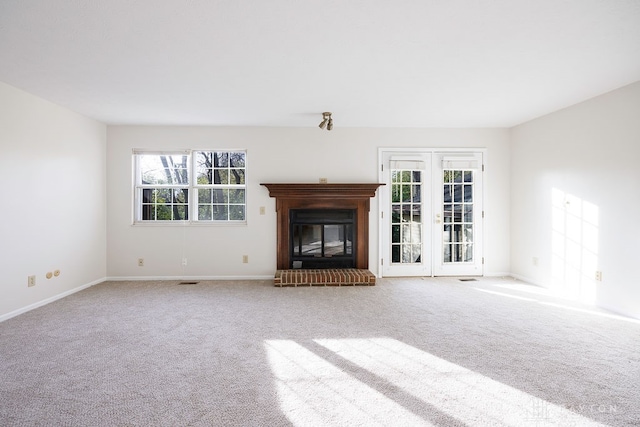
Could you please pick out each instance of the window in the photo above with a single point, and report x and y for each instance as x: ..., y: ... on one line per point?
x: 194, y: 186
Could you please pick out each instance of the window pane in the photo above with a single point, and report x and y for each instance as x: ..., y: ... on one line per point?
x: 205, y: 196
x: 220, y: 176
x: 416, y: 253
x: 395, y: 213
x: 163, y: 169
x: 204, y: 213
x: 448, y: 213
x: 395, y: 234
x: 236, y: 176
x: 162, y: 195
x: 468, y: 233
x: 180, y: 212
x: 457, y: 233
x: 395, y: 193
x: 204, y: 167
x: 181, y: 196
x: 395, y: 253
x: 406, y: 233
x: 406, y: 254
x: 468, y: 213
x: 457, y: 213
x: 220, y: 159
x: 447, y: 253
x: 236, y: 196
x: 416, y: 194
x: 237, y: 159
x: 448, y: 193
x: 220, y: 195
x: 417, y: 214
x: 457, y: 193
x: 406, y: 193
x: 220, y: 213
x: 406, y: 213
x: 163, y: 213
x: 468, y: 193
x: 236, y: 212
x: 468, y: 253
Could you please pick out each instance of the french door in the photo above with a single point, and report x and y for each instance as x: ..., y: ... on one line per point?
x: 431, y: 213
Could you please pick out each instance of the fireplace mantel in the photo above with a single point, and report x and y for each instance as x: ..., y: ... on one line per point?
x: 288, y: 191
x: 323, y: 196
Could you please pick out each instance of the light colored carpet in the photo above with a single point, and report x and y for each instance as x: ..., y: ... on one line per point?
x: 404, y: 352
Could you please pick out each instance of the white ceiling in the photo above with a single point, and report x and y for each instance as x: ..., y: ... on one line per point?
x: 402, y: 63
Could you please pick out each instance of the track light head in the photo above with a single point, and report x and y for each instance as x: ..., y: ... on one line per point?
x: 326, y: 121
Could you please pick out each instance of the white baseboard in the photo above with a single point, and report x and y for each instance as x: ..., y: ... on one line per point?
x: 497, y: 274
x: 48, y: 300
x: 142, y: 278
x: 529, y: 280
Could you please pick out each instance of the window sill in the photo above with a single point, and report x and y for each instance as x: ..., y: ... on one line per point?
x: 189, y: 224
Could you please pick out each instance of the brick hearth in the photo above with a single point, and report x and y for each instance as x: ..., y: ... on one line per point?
x: 325, y: 277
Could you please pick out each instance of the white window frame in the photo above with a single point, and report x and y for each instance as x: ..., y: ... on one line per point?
x: 192, y: 189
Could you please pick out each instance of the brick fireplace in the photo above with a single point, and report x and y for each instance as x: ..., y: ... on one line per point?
x: 294, y: 199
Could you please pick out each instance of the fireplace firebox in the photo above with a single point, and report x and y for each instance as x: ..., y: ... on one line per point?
x: 322, y: 238
x: 338, y: 241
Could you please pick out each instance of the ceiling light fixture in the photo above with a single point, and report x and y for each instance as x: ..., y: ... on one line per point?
x: 326, y: 121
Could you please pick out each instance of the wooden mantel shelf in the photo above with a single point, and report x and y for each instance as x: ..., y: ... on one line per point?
x: 354, y: 196
x: 343, y: 190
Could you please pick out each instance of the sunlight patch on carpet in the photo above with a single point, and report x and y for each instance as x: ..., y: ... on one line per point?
x: 313, y: 391
x: 453, y: 389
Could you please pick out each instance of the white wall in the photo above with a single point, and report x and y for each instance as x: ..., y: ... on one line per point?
x: 277, y: 155
x: 53, y: 213
x: 589, y: 153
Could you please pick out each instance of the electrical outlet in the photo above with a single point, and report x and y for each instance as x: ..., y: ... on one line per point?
x: 323, y: 180
x: 184, y: 262
x: 245, y: 259
x: 599, y: 276
x: 140, y: 262
x: 31, y: 281
x: 262, y: 210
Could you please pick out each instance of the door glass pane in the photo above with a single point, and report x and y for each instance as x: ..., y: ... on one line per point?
x: 395, y: 253
x: 395, y: 233
x: 406, y: 216
x: 457, y: 209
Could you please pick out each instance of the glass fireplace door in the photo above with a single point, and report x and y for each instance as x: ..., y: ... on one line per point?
x: 322, y: 238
